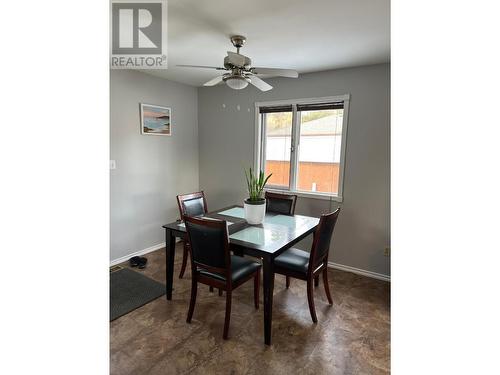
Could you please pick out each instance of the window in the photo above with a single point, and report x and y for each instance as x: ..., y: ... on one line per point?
x: 302, y: 144
x: 278, y: 130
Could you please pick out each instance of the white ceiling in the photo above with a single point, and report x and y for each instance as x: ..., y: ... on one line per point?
x: 308, y: 36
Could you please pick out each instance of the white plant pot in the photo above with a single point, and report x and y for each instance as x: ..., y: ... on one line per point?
x: 255, y: 213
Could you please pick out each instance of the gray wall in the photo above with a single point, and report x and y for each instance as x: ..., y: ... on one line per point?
x: 226, y: 145
x: 151, y: 170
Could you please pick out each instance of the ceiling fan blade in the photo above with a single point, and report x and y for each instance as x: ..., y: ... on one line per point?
x: 276, y: 72
x: 260, y: 84
x: 213, y: 81
x: 236, y: 59
x: 201, y: 66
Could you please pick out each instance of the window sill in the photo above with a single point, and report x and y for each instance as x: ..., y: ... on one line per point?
x: 307, y: 194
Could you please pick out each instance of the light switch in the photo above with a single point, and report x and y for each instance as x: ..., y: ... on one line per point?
x: 112, y: 164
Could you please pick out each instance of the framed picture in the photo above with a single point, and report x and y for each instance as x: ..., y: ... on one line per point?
x: 156, y: 120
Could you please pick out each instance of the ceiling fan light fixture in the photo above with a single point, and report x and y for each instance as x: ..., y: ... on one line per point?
x: 237, y: 82
x: 240, y: 71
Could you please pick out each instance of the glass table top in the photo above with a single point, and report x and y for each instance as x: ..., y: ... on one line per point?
x: 234, y: 212
x: 275, y: 232
x: 258, y: 236
x: 271, y: 218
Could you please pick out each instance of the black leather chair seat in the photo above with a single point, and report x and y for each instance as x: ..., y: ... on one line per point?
x: 293, y: 259
x: 240, y: 268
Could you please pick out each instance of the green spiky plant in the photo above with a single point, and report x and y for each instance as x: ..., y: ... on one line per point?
x: 255, y: 185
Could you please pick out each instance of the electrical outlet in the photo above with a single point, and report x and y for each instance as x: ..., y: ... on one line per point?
x: 387, y: 252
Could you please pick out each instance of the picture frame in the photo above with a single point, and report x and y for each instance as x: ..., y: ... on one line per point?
x: 155, y: 119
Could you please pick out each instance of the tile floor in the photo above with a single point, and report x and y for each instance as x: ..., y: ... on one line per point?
x: 351, y: 337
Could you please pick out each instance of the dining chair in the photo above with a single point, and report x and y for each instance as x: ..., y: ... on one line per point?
x: 193, y: 204
x: 280, y: 203
x: 307, y: 266
x: 212, y: 263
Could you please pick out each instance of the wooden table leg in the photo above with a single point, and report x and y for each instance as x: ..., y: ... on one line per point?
x: 170, y: 252
x: 268, y: 265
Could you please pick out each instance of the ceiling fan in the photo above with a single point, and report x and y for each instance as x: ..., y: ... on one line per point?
x: 240, y: 71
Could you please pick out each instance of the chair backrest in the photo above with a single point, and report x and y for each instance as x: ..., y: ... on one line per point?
x: 193, y: 204
x: 322, y: 238
x: 280, y: 203
x: 209, y: 241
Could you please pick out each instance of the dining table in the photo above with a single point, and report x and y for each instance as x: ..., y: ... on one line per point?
x: 266, y: 241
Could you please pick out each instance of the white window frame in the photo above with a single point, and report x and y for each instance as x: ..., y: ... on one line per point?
x: 260, y: 139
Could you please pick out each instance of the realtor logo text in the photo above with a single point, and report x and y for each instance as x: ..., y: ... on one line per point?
x: 138, y: 34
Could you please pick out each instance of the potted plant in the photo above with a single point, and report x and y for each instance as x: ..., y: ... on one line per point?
x: 255, y: 204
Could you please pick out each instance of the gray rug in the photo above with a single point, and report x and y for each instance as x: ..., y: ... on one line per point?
x: 130, y: 290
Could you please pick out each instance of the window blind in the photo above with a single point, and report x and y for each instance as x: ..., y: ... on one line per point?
x: 274, y: 109
x: 319, y: 106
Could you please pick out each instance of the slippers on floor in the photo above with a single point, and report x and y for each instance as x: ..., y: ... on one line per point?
x: 134, y: 261
x: 139, y: 262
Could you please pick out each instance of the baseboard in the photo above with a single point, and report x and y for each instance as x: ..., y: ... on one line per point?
x: 359, y: 271
x: 342, y: 267
x: 137, y: 253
